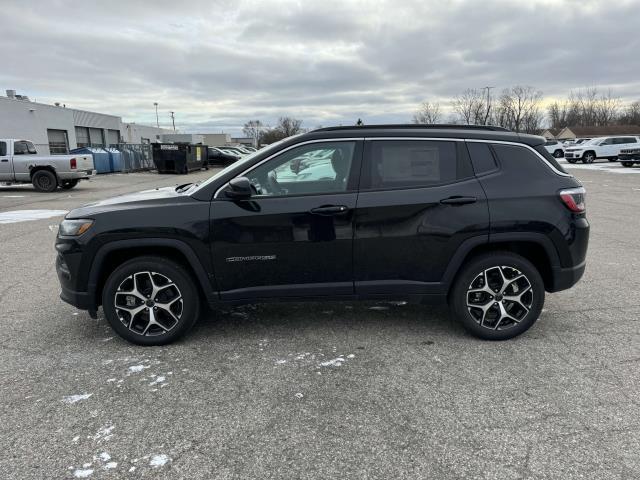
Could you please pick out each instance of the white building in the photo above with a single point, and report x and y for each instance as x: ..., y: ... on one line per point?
x: 56, y: 129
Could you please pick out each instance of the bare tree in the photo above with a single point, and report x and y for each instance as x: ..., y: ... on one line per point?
x: 428, y: 113
x: 289, y: 126
x: 607, y: 109
x: 519, y: 109
x: 631, y: 114
x: 470, y: 107
x: 253, y: 129
x: 286, y: 127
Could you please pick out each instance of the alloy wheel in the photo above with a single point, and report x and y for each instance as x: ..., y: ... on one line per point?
x: 148, y: 303
x: 499, y: 297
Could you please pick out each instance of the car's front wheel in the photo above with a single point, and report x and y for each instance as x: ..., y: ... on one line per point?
x: 497, y: 296
x: 150, y: 300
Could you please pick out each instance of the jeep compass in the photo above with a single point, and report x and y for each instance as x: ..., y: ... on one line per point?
x: 479, y: 217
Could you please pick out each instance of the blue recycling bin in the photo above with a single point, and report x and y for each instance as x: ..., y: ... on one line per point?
x: 100, y: 158
x: 115, y: 159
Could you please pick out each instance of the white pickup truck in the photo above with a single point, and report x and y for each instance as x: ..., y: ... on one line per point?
x: 20, y: 163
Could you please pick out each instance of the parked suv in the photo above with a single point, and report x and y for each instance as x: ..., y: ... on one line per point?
x: 603, y: 147
x: 481, y: 218
x: 555, y: 148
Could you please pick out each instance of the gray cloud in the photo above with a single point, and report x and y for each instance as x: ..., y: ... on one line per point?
x: 220, y: 63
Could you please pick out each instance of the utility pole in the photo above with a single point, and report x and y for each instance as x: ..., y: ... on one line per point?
x: 155, y: 104
x: 173, y: 120
x: 486, y: 117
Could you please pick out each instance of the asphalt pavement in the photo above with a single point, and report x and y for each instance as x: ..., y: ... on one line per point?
x: 316, y: 391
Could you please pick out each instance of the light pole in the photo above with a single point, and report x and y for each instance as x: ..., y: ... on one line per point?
x: 155, y: 104
x: 486, y: 117
x: 173, y: 120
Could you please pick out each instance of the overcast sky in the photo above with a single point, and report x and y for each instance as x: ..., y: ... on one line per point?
x: 220, y: 63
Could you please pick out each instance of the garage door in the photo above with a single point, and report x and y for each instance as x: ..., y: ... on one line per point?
x: 58, y: 143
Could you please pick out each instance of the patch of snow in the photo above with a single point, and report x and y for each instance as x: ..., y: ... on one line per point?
x: 351, y: 355
x: 299, y: 395
x: 281, y: 362
x: 75, y: 439
x: 336, y: 362
x: 132, y: 469
x: 13, y: 196
x: 159, y: 460
x: 76, y: 398
x: 158, y: 379
x: 379, y: 308
x: 104, y: 433
x: 16, y: 216
x: 104, y: 456
x: 110, y: 465
x: 137, y: 368
x: 109, y: 380
x: 83, y: 472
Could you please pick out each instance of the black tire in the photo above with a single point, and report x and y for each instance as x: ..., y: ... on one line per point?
x: 589, y: 157
x: 627, y: 164
x: 68, y: 184
x: 473, y: 272
x: 572, y: 160
x: 44, y: 181
x: 558, y: 153
x: 184, y: 314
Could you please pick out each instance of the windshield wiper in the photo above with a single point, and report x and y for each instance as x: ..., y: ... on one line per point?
x: 183, y: 187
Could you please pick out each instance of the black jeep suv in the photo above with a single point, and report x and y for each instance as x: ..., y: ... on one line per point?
x: 480, y: 217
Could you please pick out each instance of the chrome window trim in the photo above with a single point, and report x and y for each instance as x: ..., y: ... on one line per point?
x: 438, y: 139
x: 279, y: 152
x: 516, y: 144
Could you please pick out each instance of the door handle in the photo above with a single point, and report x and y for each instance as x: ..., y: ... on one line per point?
x: 329, y: 210
x: 458, y: 200
x: 4, y: 160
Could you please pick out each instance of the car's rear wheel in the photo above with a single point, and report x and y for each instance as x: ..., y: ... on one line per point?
x: 497, y: 296
x: 68, y: 184
x: 150, y: 301
x: 589, y: 157
x: 44, y: 181
x: 627, y: 164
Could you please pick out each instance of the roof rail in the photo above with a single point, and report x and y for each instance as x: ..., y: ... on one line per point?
x: 437, y: 126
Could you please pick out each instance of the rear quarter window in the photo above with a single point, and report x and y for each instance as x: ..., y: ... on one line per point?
x: 482, y: 158
x: 512, y: 155
x: 3, y: 148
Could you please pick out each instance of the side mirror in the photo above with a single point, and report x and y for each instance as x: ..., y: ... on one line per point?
x: 239, y: 188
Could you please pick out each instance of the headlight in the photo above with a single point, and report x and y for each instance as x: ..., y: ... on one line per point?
x: 74, y: 228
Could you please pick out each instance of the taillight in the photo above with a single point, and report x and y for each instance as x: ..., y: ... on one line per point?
x: 573, y: 198
x: 73, y: 163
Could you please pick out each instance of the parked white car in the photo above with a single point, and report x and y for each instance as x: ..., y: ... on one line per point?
x: 602, y: 147
x: 555, y: 148
x: 20, y: 163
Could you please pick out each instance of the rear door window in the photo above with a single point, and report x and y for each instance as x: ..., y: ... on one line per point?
x: 482, y: 158
x: 397, y: 164
x: 3, y: 149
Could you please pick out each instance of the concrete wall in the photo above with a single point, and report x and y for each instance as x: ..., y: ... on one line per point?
x: 216, y: 139
x: 29, y: 120
x: 134, y: 133
x: 183, y: 138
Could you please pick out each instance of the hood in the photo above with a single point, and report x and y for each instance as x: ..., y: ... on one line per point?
x: 143, y: 199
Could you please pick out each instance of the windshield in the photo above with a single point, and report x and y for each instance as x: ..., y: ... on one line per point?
x: 245, y: 160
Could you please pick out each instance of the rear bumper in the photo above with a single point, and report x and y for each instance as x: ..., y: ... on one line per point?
x: 79, y: 175
x: 564, y: 278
